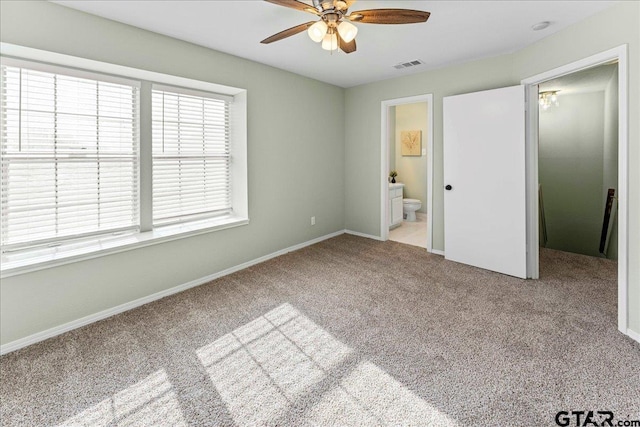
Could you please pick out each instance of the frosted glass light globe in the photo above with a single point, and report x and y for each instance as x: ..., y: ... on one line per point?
x: 330, y: 42
x: 347, y: 31
x: 317, y: 31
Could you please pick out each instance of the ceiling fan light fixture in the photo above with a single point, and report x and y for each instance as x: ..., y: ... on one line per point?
x: 318, y: 31
x: 347, y: 31
x: 330, y: 42
x: 334, y: 30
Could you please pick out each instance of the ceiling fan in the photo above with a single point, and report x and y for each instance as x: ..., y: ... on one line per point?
x: 334, y: 29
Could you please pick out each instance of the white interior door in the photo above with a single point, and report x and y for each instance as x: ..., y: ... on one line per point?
x: 484, y: 176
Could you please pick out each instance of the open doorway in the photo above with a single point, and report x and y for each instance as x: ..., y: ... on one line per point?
x: 578, y: 162
x: 406, y: 171
x: 618, y: 221
x: 408, y: 174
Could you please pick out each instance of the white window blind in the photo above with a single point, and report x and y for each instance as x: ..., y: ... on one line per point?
x: 191, y: 160
x: 69, y: 156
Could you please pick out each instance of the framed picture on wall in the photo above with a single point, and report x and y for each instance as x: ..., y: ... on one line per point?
x: 411, y: 142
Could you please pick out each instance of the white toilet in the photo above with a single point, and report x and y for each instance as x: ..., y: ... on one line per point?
x: 409, y: 207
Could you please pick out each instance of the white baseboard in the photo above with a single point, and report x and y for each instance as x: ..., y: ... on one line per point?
x: 83, y: 321
x: 633, y: 335
x: 367, y: 236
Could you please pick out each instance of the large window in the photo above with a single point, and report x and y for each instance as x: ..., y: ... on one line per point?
x: 69, y: 157
x: 98, y: 157
x: 191, y: 169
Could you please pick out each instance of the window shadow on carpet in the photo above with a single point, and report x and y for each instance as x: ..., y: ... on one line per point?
x: 151, y: 401
x: 282, y: 367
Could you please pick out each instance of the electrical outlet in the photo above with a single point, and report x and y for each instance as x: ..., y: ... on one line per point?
x: 313, y: 220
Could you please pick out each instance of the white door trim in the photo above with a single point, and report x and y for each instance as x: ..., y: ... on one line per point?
x: 531, y: 181
x: 384, y: 163
x: 618, y: 53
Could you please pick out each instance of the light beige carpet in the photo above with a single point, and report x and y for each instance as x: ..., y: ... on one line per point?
x: 346, y: 332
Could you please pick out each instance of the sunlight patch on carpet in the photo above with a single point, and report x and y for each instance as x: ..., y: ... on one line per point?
x: 370, y: 396
x: 262, y: 368
x: 151, y: 401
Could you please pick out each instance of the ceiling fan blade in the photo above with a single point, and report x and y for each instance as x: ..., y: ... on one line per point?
x: 389, y: 16
x: 288, y: 33
x: 294, y: 4
x: 346, y: 47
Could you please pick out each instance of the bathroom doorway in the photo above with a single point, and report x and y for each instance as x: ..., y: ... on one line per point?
x: 407, y: 159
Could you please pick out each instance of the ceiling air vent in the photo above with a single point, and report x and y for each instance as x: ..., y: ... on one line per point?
x: 408, y: 64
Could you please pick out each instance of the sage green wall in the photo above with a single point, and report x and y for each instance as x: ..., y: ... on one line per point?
x: 412, y: 171
x: 295, y: 169
x: 610, y: 163
x: 570, y: 168
x: 613, y: 27
x: 362, y: 143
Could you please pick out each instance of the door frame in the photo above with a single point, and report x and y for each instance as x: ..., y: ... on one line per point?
x: 384, y: 162
x: 531, y: 89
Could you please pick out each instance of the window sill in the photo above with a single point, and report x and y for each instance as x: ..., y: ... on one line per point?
x: 16, y: 263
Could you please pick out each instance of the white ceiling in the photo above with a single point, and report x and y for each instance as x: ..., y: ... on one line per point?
x: 456, y: 32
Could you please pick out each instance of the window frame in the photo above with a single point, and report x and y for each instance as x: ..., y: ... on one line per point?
x: 163, y: 158
x: 33, y: 259
x: 135, y: 158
